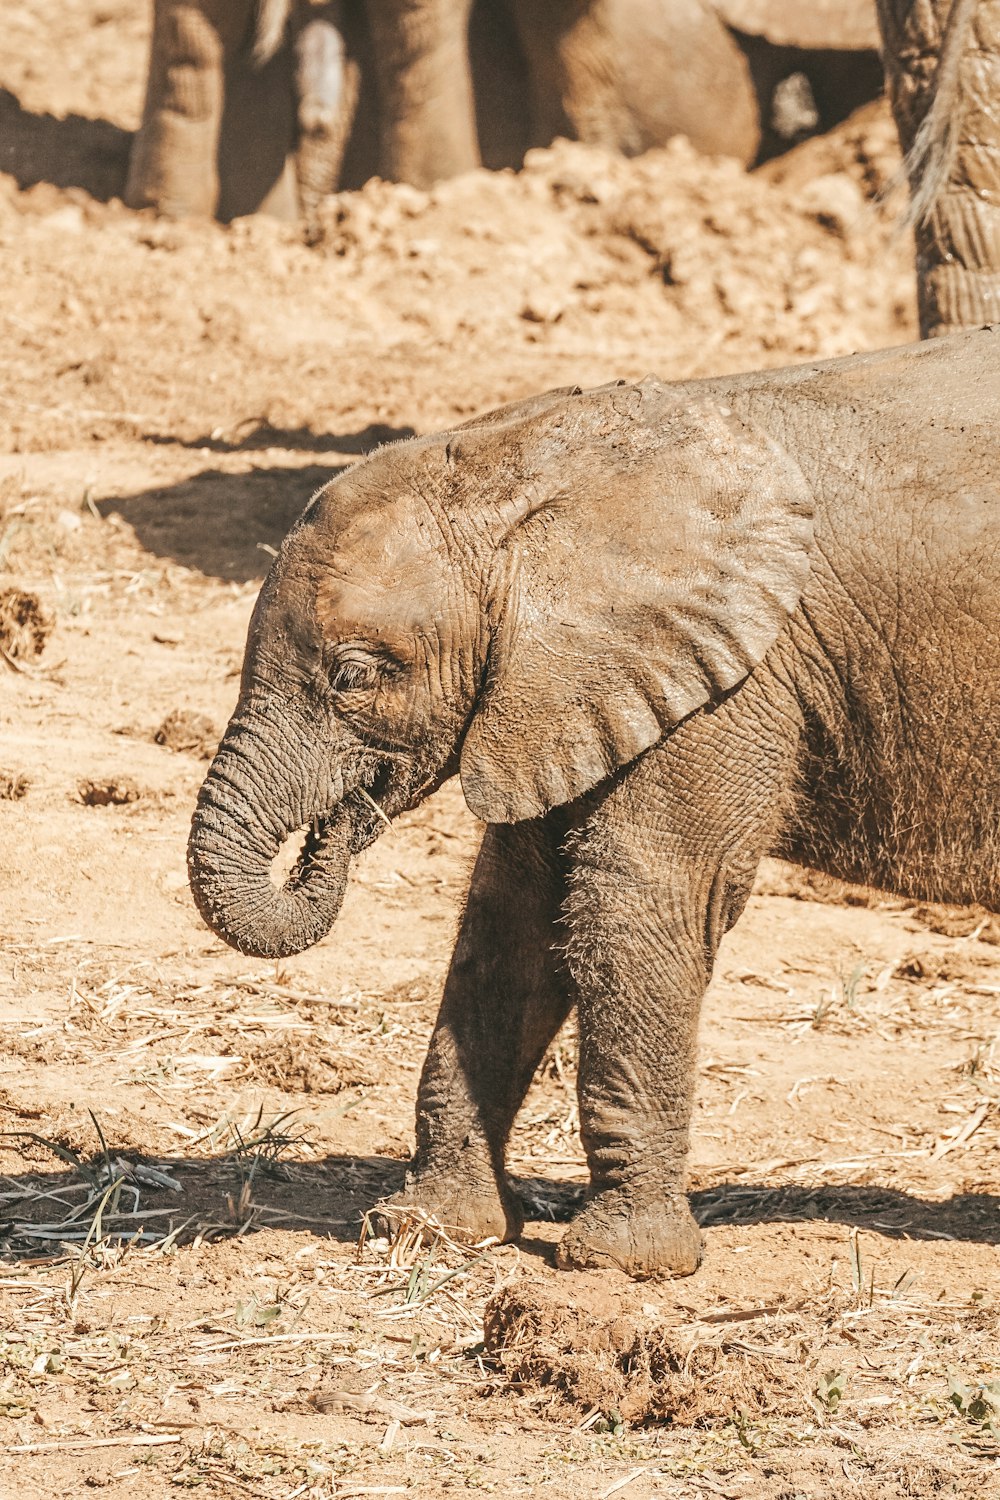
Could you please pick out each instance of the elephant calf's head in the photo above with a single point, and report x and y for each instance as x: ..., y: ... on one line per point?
x: 533, y: 599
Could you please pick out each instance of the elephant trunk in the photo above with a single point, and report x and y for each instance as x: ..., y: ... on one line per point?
x: 943, y: 70
x: 268, y: 780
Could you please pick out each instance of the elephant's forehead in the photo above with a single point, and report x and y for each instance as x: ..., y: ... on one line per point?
x: 383, y: 569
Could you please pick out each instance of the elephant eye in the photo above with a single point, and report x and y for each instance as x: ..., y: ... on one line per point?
x: 354, y: 672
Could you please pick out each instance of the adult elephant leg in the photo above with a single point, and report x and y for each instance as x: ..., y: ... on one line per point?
x: 173, y: 163
x: 661, y: 870
x: 421, y: 59
x: 949, y: 50
x: 257, y: 135
x: 218, y: 124
x: 505, y: 998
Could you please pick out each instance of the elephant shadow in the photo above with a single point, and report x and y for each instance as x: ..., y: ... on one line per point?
x: 257, y: 433
x: 241, y: 1192
x: 225, y: 526
x: 970, y: 1217
x: 74, y: 152
x: 228, y: 526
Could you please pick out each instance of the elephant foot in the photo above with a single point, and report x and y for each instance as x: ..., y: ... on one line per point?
x: 658, y: 1239
x: 467, y: 1211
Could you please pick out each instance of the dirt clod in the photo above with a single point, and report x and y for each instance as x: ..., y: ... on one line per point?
x: 286, y: 1063
x: 602, y: 1349
x: 13, y: 786
x: 25, y: 625
x: 113, y: 792
x: 189, y: 733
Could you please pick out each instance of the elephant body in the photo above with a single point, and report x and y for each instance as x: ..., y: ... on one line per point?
x: 271, y: 103
x: 661, y: 631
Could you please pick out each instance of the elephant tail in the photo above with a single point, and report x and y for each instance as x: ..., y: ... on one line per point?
x: 932, y: 155
x: 269, y: 26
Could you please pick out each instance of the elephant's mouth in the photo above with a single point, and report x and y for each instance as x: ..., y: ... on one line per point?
x: 346, y: 829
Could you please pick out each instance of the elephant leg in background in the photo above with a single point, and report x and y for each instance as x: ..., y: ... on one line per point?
x: 327, y: 84
x: 958, y: 240
x: 420, y: 52
x: 217, y: 130
x: 659, y: 872
x: 505, y: 998
x: 629, y: 74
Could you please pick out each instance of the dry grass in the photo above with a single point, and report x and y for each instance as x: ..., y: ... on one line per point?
x: 188, y: 1299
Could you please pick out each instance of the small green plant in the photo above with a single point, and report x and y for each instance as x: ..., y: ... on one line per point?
x: 865, y: 1294
x: 828, y: 1391
x: 979, y: 1404
x: 844, y: 994
x: 254, y: 1314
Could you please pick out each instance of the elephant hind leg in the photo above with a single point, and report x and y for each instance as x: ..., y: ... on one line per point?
x: 257, y: 137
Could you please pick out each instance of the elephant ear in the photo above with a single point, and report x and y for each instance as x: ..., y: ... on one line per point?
x: 660, y: 546
x: 841, y: 25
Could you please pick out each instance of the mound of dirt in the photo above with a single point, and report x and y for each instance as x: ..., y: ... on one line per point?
x: 312, y: 1067
x: 13, y: 785
x: 115, y: 791
x: 191, y: 733
x: 795, y: 262
x: 25, y: 625
x: 960, y: 921
x: 603, y: 1349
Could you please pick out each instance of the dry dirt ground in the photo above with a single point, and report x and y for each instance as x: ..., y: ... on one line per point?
x: 192, y: 1137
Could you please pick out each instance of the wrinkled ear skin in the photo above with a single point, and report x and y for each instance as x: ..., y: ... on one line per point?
x: 653, y: 556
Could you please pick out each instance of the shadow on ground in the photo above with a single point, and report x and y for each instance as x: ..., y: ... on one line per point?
x: 223, y: 525
x: 256, y: 433
x: 227, y: 525
x: 242, y: 1192
x: 974, y: 1217
x: 75, y: 152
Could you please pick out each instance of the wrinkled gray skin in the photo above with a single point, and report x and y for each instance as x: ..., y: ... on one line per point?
x: 660, y: 630
x: 942, y: 65
x: 270, y: 104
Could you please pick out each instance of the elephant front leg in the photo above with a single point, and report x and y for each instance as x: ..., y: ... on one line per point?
x: 172, y: 166
x: 428, y: 118
x: 505, y: 998
x: 656, y: 883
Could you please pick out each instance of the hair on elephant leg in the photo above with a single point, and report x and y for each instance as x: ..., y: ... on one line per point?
x: 506, y: 996
x: 660, y: 871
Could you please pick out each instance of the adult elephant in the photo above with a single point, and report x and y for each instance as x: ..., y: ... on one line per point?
x: 262, y: 103
x: 942, y: 63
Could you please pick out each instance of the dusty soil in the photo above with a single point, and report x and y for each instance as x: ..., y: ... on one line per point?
x: 194, y: 1136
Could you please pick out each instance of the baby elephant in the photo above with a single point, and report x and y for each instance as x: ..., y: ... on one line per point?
x: 659, y: 631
